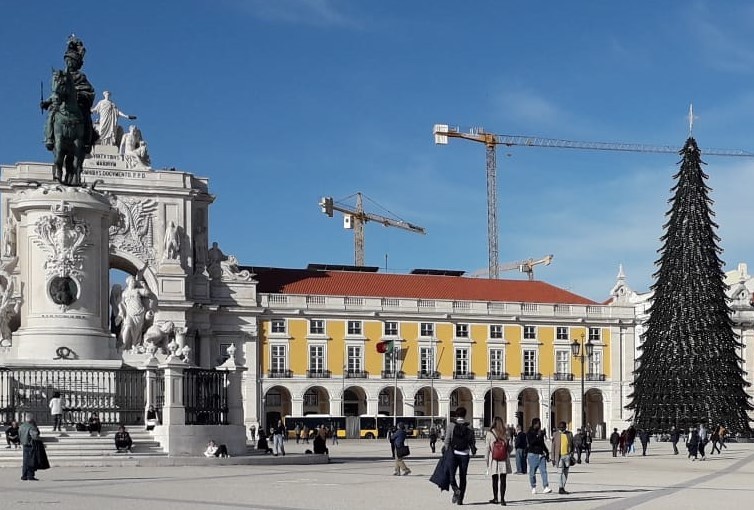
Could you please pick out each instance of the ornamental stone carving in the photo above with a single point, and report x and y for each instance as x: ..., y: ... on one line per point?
x: 64, y: 238
x: 172, y: 243
x: 9, y: 237
x: 9, y: 304
x: 132, y: 230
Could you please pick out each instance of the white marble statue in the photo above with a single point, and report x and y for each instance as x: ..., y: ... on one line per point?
x: 137, y: 306
x: 9, y: 238
x: 107, y: 125
x: 133, y: 149
x: 158, y: 335
x: 231, y: 271
x: 172, y: 245
x: 9, y: 308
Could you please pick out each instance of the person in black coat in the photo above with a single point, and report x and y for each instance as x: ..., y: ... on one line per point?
x: 320, y: 443
x: 675, y: 436
x: 615, y: 441
x: 644, y: 438
x: 11, y: 435
x: 520, y: 445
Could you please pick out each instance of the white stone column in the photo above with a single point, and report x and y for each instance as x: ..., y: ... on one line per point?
x: 372, y: 406
x: 444, y: 411
x: 297, y: 407
x: 173, y: 410
x: 511, y: 406
x: 478, y: 412
x: 235, y: 395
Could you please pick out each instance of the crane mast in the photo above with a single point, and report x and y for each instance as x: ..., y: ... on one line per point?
x: 356, y: 218
x: 443, y: 132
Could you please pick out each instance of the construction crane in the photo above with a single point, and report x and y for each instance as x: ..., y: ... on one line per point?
x: 525, y: 266
x: 356, y: 218
x: 443, y: 132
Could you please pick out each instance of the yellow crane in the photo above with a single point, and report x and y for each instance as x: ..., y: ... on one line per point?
x: 443, y: 132
x: 356, y: 218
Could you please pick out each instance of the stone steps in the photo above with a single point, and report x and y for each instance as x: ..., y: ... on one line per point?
x: 73, y: 448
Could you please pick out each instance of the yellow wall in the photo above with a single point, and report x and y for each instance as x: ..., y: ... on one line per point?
x: 335, y: 329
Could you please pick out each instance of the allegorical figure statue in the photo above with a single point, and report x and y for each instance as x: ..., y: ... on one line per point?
x: 107, y: 124
x: 137, y: 305
x: 215, y: 258
x: 9, y: 238
x: 133, y: 149
x: 172, y: 246
x: 8, y: 309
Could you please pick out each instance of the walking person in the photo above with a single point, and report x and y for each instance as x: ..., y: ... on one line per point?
x: 615, y: 441
x: 28, y: 433
x: 401, y: 451
x: 432, y: 438
x: 391, y: 439
x: 277, y: 438
x: 562, y: 454
x: 578, y: 444
x: 692, y: 443
x: 520, y: 444
x: 587, y: 442
x: 644, y: 438
x: 675, y: 436
x: 623, y: 443
x: 56, y: 410
x: 497, y: 458
x: 537, y: 456
x: 297, y: 431
x: 305, y: 434
x: 630, y: 439
x: 460, y: 439
x: 703, y: 439
x: 335, y: 433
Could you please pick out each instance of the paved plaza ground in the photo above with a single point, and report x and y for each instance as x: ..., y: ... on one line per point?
x: 360, y: 477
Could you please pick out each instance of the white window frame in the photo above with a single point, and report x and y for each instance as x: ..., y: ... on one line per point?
x: 312, y: 323
x: 350, y: 332
x: 272, y: 327
x: 562, y: 361
x: 490, y: 361
x: 390, y: 361
x: 595, y: 368
x: 523, y: 362
x: 387, y: 333
x: 354, y: 362
x: 529, y: 332
x: 431, y: 326
x: 324, y: 358
x: 494, y: 334
x: 558, y: 336
x: 273, y: 357
x: 464, y: 359
x: 462, y: 330
x: 428, y: 360
x: 595, y: 335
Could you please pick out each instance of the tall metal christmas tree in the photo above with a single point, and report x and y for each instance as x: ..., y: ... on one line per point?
x: 689, y: 371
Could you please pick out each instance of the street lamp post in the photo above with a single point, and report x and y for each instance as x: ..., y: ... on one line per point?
x: 582, y: 351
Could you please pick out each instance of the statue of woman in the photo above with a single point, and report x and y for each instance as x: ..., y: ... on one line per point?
x: 133, y: 311
x: 107, y: 126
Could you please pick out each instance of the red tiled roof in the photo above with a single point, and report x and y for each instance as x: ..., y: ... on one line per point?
x: 351, y: 283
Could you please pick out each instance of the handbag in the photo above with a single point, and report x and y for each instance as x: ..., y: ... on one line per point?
x: 402, y: 451
x: 571, y: 460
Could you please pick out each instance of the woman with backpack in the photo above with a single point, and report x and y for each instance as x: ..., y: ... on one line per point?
x: 497, y: 457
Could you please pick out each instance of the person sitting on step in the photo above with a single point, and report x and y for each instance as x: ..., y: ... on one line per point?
x: 11, y: 435
x: 95, y: 425
x: 123, y: 440
x: 215, y: 450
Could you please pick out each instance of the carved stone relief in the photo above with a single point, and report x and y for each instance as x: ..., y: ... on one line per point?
x: 132, y: 230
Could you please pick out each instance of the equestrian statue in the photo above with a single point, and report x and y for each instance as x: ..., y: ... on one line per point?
x: 69, y: 132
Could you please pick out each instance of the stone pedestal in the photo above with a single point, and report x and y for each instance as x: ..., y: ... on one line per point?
x: 63, y: 272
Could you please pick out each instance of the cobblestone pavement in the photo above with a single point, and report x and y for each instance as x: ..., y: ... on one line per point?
x: 360, y: 476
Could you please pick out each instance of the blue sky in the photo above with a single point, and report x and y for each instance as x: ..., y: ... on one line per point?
x: 280, y: 102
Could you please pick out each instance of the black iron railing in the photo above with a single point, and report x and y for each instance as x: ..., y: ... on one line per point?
x: 463, y: 375
x: 595, y: 377
x: 318, y: 374
x: 428, y: 375
x: 531, y: 377
x: 117, y: 396
x: 390, y: 374
x: 357, y: 374
x: 560, y: 376
x: 280, y: 374
x: 205, y: 396
x: 497, y: 376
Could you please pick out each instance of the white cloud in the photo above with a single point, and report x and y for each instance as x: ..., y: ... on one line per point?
x: 718, y: 43
x: 321, y: 13
x: 528, y: 106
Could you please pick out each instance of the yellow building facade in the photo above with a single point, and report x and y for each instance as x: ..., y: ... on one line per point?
x: 318, y: 352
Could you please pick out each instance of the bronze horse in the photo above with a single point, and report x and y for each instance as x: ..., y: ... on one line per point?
x: 64, y: 131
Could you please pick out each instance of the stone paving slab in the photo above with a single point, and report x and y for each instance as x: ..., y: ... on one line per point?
x: 360, y: 476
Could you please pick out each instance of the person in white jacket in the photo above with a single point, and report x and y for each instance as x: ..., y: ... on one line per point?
x: 56, y: 410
